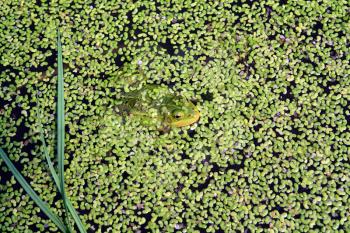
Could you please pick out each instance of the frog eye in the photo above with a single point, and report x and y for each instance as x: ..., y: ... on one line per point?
x: 178, y: 114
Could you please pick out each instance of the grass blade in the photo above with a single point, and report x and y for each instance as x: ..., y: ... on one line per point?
x: 60, y: 126
x: 75, y: 217
x: 60, y: 137
x: 60, y: 116
x: 46, y: 153
x: 43, y: 205
x: 56, y: 179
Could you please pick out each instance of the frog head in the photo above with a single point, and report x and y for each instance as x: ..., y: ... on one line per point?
x: 180, y: 112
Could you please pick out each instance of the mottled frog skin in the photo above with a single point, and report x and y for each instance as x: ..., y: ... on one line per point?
x: 157, y: 105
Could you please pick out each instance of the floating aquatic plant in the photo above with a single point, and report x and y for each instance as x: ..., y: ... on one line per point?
x: 271, y: 82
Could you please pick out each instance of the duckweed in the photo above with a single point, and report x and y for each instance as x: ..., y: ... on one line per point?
x: 270, y: 78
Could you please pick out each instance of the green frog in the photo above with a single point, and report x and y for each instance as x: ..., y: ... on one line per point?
x: 157, y: 105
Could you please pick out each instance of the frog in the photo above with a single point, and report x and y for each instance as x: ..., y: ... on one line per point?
x: 157, y: 105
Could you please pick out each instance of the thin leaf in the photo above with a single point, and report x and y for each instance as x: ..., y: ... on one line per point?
x: 60, y: 137
x: 42, y: 205
x: 60, y: 126
x: 60, y: 116
x: 75, y: 217
x: 46, y: 153
x: 56, y: 179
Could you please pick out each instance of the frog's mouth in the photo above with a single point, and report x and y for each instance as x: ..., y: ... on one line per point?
x: 187, y: 121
